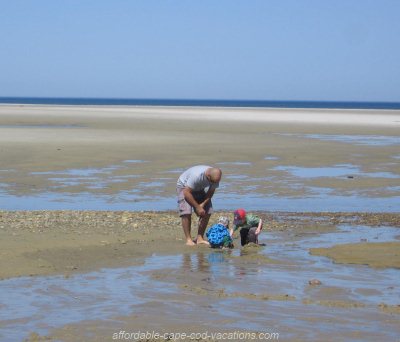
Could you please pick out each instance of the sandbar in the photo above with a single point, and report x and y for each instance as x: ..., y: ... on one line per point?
x: 377, y: 255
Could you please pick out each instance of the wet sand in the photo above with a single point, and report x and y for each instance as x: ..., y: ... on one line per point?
x: 261, y: 151
x: 64, y: 242
x: 372, y: 254
x: 122, y: 149
x: 88, y: 245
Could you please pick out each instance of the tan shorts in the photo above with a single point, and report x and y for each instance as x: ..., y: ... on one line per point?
x: 185, y: 208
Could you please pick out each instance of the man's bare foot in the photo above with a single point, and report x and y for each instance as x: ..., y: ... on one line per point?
x: 201, y: 241
x: 190, y: 242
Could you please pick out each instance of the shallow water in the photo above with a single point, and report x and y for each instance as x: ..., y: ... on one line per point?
x: 342, y: 170
x: 363, y: 140
x: 353, y: 277
x: 185, y: 287
x: 318, y: 200
x: 283, y: 188
x: 368, y: 140
x: 321, y: 200
x: 41, y: 126
x: 237, y: 190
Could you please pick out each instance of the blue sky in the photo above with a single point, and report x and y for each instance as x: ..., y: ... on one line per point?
x: 345, y: 50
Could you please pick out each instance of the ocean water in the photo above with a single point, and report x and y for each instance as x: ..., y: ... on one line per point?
x: 201, y: 103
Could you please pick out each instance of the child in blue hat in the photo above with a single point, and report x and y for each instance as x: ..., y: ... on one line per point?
x: 219, y: 235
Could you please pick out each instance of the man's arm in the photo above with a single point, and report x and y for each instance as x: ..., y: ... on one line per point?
x: 209, y: 195
x: 187, y: 193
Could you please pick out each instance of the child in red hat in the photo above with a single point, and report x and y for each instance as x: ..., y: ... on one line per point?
x: 251, y: 226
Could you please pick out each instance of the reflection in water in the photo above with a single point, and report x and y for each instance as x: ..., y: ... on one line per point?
x: 204, y: 261
x: 195, y: 262
x: 218, y: 264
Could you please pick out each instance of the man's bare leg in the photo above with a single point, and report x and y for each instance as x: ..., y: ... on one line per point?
x: 186, y: 225
x: 203, y: 221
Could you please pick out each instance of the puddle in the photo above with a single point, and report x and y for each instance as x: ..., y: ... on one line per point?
x: 236, y: 177
x: 89, y: 178
x: 316, y: 172
x: 135, y: 161
x: 187, y: 287
x: 41, y: 126
x: 363, y: 140
x: 342, y: 170
x: 237, y: 163
x: 81, y: 172
x: 124, y: 200
x: 89, y: 183
x: 154, y: 184
x: 100, y: 189
x: 368, y: 140
x: 174, y: 171
x: 271, y: 158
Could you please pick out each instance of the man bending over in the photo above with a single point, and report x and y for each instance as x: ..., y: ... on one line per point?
x: 192, y: 195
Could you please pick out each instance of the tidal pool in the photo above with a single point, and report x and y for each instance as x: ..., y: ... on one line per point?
x: 368, y: 140
x: 114, y: 188
x: 136, y: 199
x: 33, y: 126
x: 363, y: 140
x: 257, y: 289
x: 341, y: 170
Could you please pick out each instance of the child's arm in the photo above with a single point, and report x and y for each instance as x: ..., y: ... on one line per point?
x: 233, y: 230
x: 259, y: 228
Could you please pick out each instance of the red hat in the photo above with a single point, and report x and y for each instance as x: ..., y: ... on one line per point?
x: 239, y: 215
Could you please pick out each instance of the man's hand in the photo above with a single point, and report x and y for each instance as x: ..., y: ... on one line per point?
x: 200, y: 210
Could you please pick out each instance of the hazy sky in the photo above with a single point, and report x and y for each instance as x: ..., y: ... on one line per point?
x: 200, y: 49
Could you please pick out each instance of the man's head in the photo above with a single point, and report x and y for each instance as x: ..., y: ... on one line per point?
x: 214, y: 174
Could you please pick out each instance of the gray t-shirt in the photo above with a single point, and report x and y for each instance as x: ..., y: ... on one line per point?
x: 196, y: 179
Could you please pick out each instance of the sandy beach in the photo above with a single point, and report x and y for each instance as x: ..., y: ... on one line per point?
x: 347, y: 159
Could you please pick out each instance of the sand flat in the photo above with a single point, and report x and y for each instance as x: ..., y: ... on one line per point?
x: 56, y: 138
x: 71, y: 149
x: 357, y: 117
